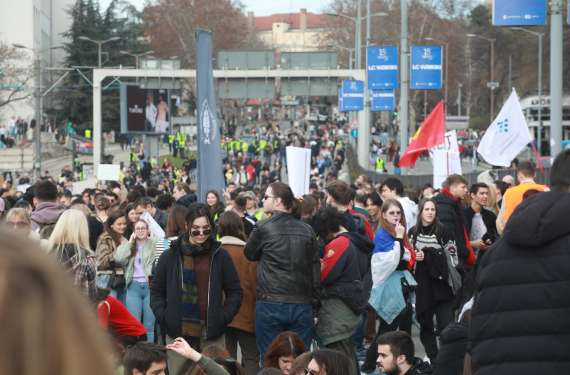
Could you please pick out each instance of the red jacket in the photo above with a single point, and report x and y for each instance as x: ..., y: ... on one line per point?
x: 113, y: 315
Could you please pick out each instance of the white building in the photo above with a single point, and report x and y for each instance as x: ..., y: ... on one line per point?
x: 38, y: 25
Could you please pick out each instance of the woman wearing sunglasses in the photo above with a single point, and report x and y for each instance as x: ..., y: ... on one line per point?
x: 392, y: 283
x: 137, y: 257
x: 196, y: 291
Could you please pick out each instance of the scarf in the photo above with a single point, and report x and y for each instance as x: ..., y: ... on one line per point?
x: 471, y: 258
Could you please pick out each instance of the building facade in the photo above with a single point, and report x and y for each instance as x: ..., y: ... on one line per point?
x: 37, y: 25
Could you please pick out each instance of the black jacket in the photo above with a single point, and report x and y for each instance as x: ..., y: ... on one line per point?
x: 450, y: 215
x: 224, y: 298
x: 453, y: 345
x: 161, y: 218
x: 364, y: 249
x: 521, y: 316
x: 344, y: 280
x: 489, y: 219
x: 289, y: 265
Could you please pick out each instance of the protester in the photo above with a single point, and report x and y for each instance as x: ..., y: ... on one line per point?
x: 288, y: 270
x: 480, y: 222
x: 48, y: 327
x: 132, y: 215
x: 115, y: 317
x: 373, y: 205
x: 195, y: 290
x: 526, y: 172
x: 175, y: 227
x: 214, y: 203
x: 329, y: 362
x: 146, y: 204
x: 102, y: 206
x: 145, y: 359
x: 110, y: 275
x: 282, y: 351
x: 242, y: 327
x: 46, y: 209
x: 137, y: 258
x: 69, y: 243
x: 518, y: 321
x: 396, y: 355
x: 392, y: 188
x: 19, y: 219
x: 392, y: 257
x: 436, y: 259
x: 343, y: 297
x: 183, y: 349
x: 340, y: 195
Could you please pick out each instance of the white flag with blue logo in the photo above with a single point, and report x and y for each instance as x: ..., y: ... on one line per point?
x: 507, y: 136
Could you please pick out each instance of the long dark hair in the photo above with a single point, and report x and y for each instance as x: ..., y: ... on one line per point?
x: 230, y: 224
x: 114, y: 215
x: 196, y: 210
x: 433, y: 229
x: 333, y: 362
x: 219, y: 206
x: 283, y: 191
x: 176, y: 223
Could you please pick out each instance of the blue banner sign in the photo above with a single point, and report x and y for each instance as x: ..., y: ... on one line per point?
x: 382, y: 67
x: 382, y: 100
x: 352, y: 95
x: 427, y: 68
x: 519, y: 12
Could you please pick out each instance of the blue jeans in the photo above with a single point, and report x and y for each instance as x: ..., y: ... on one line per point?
x: 103, y: 282
x: 272, y: 318
x: 138, y: 304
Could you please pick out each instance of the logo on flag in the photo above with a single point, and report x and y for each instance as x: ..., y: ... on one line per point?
x: 382, y: 55
x: 507, y: 136
x: 427, y: 54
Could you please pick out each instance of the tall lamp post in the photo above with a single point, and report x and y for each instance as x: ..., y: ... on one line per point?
x: 492, y: 84
x: 539, y: 89
x: 38, y: 105
x: 137, y: 56
x: 99, y: 44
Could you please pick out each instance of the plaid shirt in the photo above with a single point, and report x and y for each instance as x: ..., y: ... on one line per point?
x: 84, y: 271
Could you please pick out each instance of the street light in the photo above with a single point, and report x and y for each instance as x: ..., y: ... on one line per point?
x: 539, y: 132
x: 38, y: 104
x: 492, y: 84
x: 99, y: 45
x: 446, y: 44
x: 137, y: 56
x: 357, y: 30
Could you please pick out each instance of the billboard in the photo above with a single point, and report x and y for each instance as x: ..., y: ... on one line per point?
x: 519, y: 12
x: 382, y: 67
x: 382, y: 100
x: 426, y: 68
x: 352, y: 95
x: 145, y: 110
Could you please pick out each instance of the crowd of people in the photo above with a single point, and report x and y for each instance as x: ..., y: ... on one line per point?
x: 146, y: 275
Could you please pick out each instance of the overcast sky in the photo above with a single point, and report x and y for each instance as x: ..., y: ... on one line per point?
x: 260, y: 7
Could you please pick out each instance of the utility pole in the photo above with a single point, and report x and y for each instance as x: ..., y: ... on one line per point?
x: 404, y: 75
x: 459, y: 86
x: 555, y: 77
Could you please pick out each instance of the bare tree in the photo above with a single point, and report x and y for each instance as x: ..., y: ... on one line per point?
x: 15, y: 75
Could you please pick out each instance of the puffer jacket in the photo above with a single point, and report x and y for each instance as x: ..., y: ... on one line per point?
x: 289, y: 265
x: 521, y: 315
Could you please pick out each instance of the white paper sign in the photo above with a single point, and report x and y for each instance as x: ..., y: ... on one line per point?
x: 153, y: 226
x: 108, y: 172
x: 299, y: 169
x: 446, y: 160
x: 79, y: 186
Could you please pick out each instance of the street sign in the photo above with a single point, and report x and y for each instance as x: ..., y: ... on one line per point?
x: 427, y: 64
x: 382, y: 67
x: 352, y: 95
x: 493, y: 85
x: 382, y: 100
x: 519, y: 12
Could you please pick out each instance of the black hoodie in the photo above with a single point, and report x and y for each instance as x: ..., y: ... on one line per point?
x: 521, y: 316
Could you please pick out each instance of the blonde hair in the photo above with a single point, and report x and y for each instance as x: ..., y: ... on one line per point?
x: 47, y: 327
x: 71, y: 229
x: 20, y: 213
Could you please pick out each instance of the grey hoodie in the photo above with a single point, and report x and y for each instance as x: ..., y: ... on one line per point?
x: 46, y: 213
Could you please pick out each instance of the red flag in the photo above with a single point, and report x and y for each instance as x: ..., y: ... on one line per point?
x: 431, y: 133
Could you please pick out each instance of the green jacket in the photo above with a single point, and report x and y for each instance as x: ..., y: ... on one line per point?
x: 336, y: 321
x: 123, y: 256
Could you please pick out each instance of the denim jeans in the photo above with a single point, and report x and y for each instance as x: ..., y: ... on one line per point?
x: 138, y: 304
x: 103, y: 282
x: 272, y: 318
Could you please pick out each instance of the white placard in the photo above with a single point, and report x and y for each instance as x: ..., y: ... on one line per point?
x: 108, y: 172
x: 446, y: 160
x: 299, y: 169
x: 79, y: 186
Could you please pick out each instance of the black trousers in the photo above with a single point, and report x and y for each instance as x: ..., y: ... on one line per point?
x: 443, y: 313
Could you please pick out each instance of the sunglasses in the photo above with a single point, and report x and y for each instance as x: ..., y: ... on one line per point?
x: 197, y: 232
